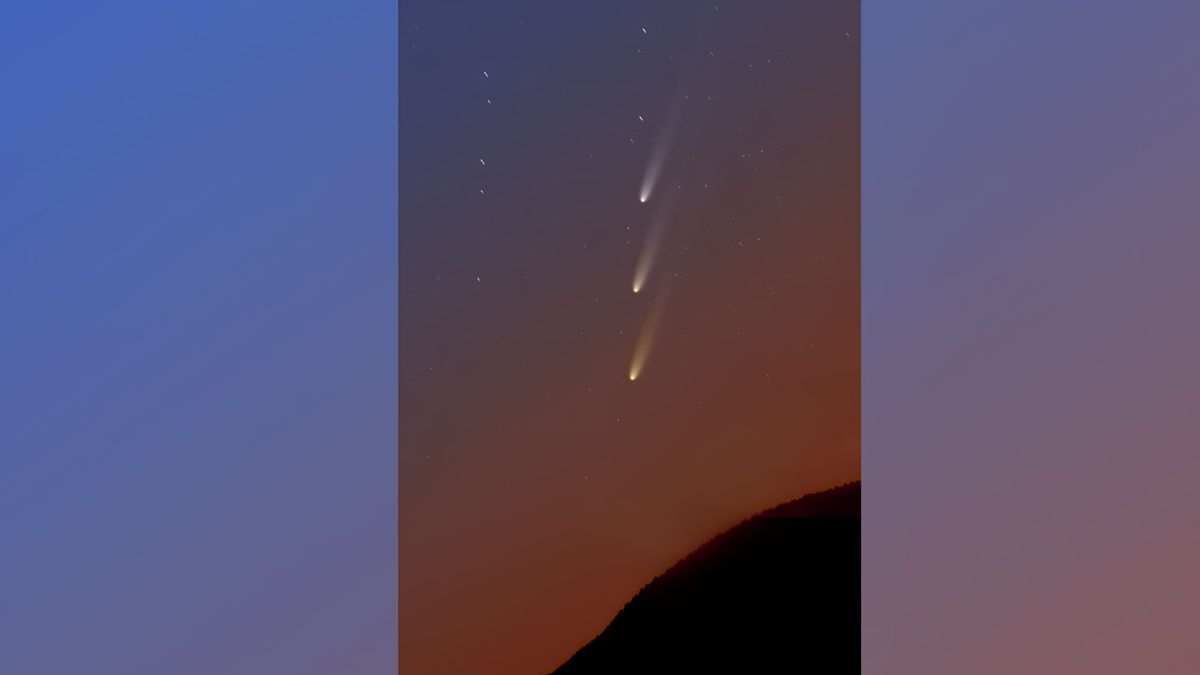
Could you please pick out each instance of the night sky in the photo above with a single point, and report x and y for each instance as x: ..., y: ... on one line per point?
x: 540, y: 486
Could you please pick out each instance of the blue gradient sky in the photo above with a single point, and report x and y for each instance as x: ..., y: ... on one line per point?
x: 198, y: 297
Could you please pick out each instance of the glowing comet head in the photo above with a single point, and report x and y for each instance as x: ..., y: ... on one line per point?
x: 648, y: 184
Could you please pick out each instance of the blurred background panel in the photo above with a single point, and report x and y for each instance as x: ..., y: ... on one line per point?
x: 1029, y: 327
x: 198, y: 337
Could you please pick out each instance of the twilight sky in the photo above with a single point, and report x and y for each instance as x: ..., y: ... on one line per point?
x: 539, y: 486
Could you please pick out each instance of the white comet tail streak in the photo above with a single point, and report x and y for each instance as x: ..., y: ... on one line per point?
x: 662, y: 146
x: 649, y: 252
x: 654, y: 167
x: 645, y: 342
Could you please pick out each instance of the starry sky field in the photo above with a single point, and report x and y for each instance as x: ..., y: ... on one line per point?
x: 539, y: 485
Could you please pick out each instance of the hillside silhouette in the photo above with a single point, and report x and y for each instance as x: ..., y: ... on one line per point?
x: 778, y: 593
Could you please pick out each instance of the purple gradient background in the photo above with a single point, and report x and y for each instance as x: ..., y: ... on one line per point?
x: 1030, y: 318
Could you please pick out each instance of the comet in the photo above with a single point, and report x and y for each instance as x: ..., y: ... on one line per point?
x: 655, y: 235
x: 651, y: 178
x: 662, y: 147
x: 649, y: 252
x: 658, y: 157
x: 641, y: 350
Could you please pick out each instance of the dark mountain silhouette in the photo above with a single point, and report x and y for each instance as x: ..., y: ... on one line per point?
x: 778, y: 593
